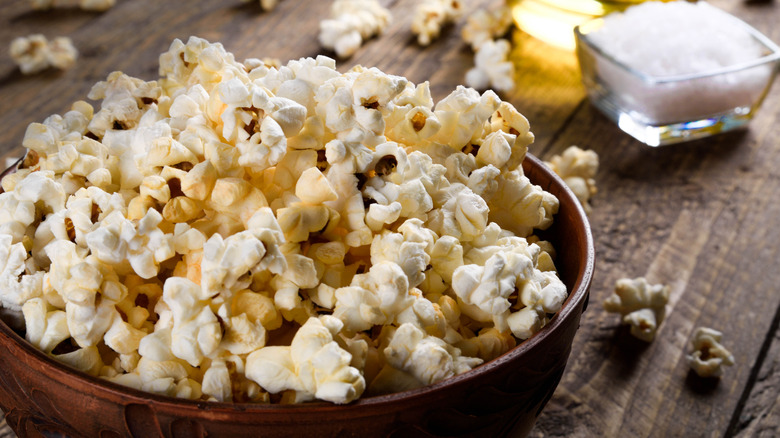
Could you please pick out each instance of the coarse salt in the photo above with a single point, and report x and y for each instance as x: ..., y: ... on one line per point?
x: 689, y: 42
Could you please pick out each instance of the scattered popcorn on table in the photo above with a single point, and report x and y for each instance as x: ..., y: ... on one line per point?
x: 578, y: 169
x: 708, y: 356
x: 35, y: 53
x: 254, y: 233
x: 492, y: 69
x: 87, y: 5
x: 430, y: 16
x: 352, y: 22
x: 486, y: 25
x: 642, y: 305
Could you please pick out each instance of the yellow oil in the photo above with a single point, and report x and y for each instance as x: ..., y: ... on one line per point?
x: 553, y: 21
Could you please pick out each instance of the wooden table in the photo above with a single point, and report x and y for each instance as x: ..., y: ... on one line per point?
x: 701, y: 217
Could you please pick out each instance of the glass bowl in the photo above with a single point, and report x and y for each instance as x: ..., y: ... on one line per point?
x: 662, y: 110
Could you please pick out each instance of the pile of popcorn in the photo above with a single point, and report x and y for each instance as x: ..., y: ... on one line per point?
x: 239, y: 232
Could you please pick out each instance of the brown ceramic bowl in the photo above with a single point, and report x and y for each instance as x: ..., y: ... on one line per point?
x: 42, y: 397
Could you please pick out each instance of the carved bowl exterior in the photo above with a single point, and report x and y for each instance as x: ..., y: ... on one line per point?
x: 503, y: 397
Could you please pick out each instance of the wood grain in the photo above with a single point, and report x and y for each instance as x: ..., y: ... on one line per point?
x: 701, y: 217
x: 761, y: 415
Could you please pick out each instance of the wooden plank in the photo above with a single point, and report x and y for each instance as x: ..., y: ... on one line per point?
x: 761, y: 414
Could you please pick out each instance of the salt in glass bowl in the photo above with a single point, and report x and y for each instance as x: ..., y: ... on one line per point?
x: 662, y: 110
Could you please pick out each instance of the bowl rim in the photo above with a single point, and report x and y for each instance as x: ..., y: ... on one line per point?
x: 582, y: 31
x: 579, y: 292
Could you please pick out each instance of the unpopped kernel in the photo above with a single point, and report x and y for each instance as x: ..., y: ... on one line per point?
x: 246, y: 232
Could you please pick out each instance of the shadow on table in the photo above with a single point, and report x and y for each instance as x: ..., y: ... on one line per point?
x: 625, y: 352
x: 701, y: 385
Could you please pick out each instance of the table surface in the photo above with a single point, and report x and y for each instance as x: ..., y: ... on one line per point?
x: 701, y: 217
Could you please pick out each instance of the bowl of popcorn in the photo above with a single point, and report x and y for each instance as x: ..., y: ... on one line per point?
x: 236, y: 249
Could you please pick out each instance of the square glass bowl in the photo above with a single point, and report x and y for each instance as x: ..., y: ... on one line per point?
x: 662, y: 110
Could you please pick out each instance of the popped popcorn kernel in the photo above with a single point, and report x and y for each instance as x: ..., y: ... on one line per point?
x: 492, y: 67
x: 257, y: 232
x: 486, y: 24
x: 578, y: 169
x: 642, y: 305
x: 314, y: 365
x: 708, y: 356
x: 35, y: 53
x: 430, y: 16
x: 351, y: 23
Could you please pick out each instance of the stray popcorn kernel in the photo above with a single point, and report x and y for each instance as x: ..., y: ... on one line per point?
x: 486, y: 25
x: 578, y: 169
x: 276, y: 233
x: 430, y: 16
x: 708, y: 356
x: 35, y: 53
x: 492, y: 69
x: 642, y: 305
x: 352, y: 22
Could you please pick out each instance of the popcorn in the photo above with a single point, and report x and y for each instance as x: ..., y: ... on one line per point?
x: 87, y: 360
x: 314, y: 365
x: 485, y: 25
x: 492, y: 68
x: 426, y: 358
x: 642, y: 305
x: 578, y: 169
x: 16, y: 285
x: 196, y: 331
x: 123, y: 337
x: 45, y: 329
x: 463, y: 114
x: 352, y: 22
x: 35, y: 53
x: 216, y: 381
x: 521, y: 204
x: 233, y: 230
x: 708, y: 356
x: 431, y: 15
